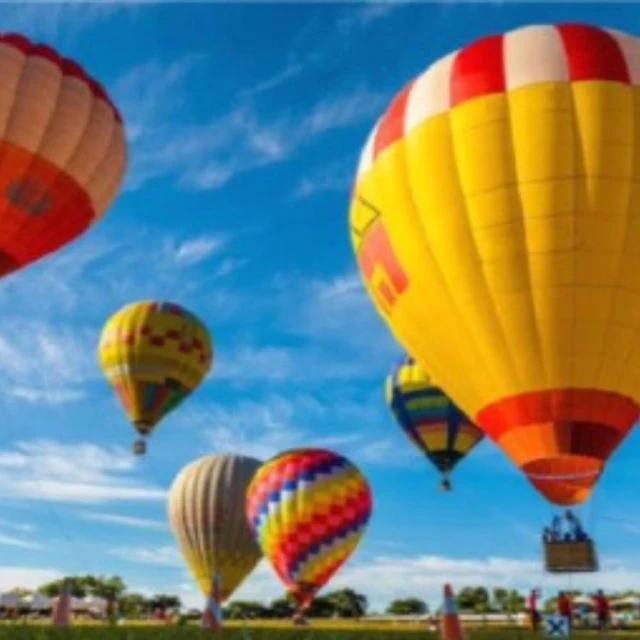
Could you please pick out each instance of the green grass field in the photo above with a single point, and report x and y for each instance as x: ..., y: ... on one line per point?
x: 18, y: 632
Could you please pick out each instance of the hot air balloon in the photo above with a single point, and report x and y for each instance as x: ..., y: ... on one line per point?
x: 154, y: 354
x: 62, y: 151
x: 429, y: 418
x: 206, y: 512
x: 308, y: 509
x: 496, y: 221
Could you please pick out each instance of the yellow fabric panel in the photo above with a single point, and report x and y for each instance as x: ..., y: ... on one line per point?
x: 516, y: 216
x: 434, y: 437
x: 464, y: 441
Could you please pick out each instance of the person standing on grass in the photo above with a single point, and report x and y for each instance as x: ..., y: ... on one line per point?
x: 565, y: 608
x: 603, y: 610
x: 532, y: 609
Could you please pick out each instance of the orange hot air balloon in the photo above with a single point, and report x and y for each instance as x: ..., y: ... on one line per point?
x: 496, y: 222
x: 62, y: 151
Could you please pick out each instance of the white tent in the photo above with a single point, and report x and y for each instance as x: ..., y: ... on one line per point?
x: 583, y: 601
x: 38, y: 602
x: 629, y: 601
x: 9, y: 600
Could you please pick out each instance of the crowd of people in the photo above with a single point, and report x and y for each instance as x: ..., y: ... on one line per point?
x: 565, y: 609
x: 574, y: 533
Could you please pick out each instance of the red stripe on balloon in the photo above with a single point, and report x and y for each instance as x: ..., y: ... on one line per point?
x: 478, y: 70
x: 593, y: 54
x: 391, y: 126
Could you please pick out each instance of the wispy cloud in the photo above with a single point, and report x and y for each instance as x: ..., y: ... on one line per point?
x: 336, y: 176
x: 45, y: 470
x: 13, y: 541
x: 266, y: 425
x: 165, y: 556
x: 206, y: 156
x: 198, y: 249
x: 361, y: 15
x: 125, y: 521
x: 42, y: 363
x: 291, y: 70
x: 229, y: 266
x: 150, y: 91
x: 58, y: 18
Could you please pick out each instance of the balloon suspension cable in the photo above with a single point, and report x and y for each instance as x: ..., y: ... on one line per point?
x: 212, y: 616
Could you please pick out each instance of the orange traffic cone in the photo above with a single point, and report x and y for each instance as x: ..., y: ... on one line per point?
x: 62, y: 609
x: 450, y: 629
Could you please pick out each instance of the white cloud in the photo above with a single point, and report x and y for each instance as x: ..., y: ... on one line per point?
x: 199, y: 249
x: 46, y: 396
x: 165, y: 556
x: 46, y: 470
x: 26, y: 577
x: 125, y: 521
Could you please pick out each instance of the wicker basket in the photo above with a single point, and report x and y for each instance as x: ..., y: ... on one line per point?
x: 571, y: 556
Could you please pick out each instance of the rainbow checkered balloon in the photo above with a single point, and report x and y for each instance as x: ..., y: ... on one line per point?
x: 308, y: 509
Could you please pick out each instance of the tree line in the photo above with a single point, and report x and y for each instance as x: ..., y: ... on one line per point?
x: 343, y: 603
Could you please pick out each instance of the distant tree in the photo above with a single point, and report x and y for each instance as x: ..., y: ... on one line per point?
x: 281, y: 608
x: 407, y: 607
x: 321, y: 607
x: 515, y: 602
x: 133, y: 605
x: 87, y: 585
x: 347, y: 603
x: 499, y: 600
x: 166, y: 601
x: 244, y: 610
x: 473, y: 599
x: 20, y: 592
x: 466, y: 598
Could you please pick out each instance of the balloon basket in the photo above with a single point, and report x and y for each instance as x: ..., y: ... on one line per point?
x: 139, y: 447
x: 571, y: 556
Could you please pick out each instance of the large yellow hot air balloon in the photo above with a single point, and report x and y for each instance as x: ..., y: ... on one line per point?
x: 207, y: 515
x: 62, y: 151
x: 496, y: 222
x: 154, y: 354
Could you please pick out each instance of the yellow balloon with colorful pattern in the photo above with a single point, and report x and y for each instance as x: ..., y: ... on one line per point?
x: 154, y: 354
x: 496, y: 221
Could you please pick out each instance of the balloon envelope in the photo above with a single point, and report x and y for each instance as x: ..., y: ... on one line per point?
x: 429, y: 418
x: 63, y: 151
x: 154, y: 354
x: 308, y: 509
x: 496, y: 222
x: 207, y: 515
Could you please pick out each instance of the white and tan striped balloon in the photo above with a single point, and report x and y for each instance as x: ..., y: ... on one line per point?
x: 206, y: 511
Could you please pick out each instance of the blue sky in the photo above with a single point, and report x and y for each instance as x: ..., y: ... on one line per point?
x: 244, y: 124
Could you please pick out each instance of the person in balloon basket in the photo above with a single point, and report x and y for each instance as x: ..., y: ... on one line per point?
x: 565, y: 608
x: 602, y: 609
x: 532, y: 609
